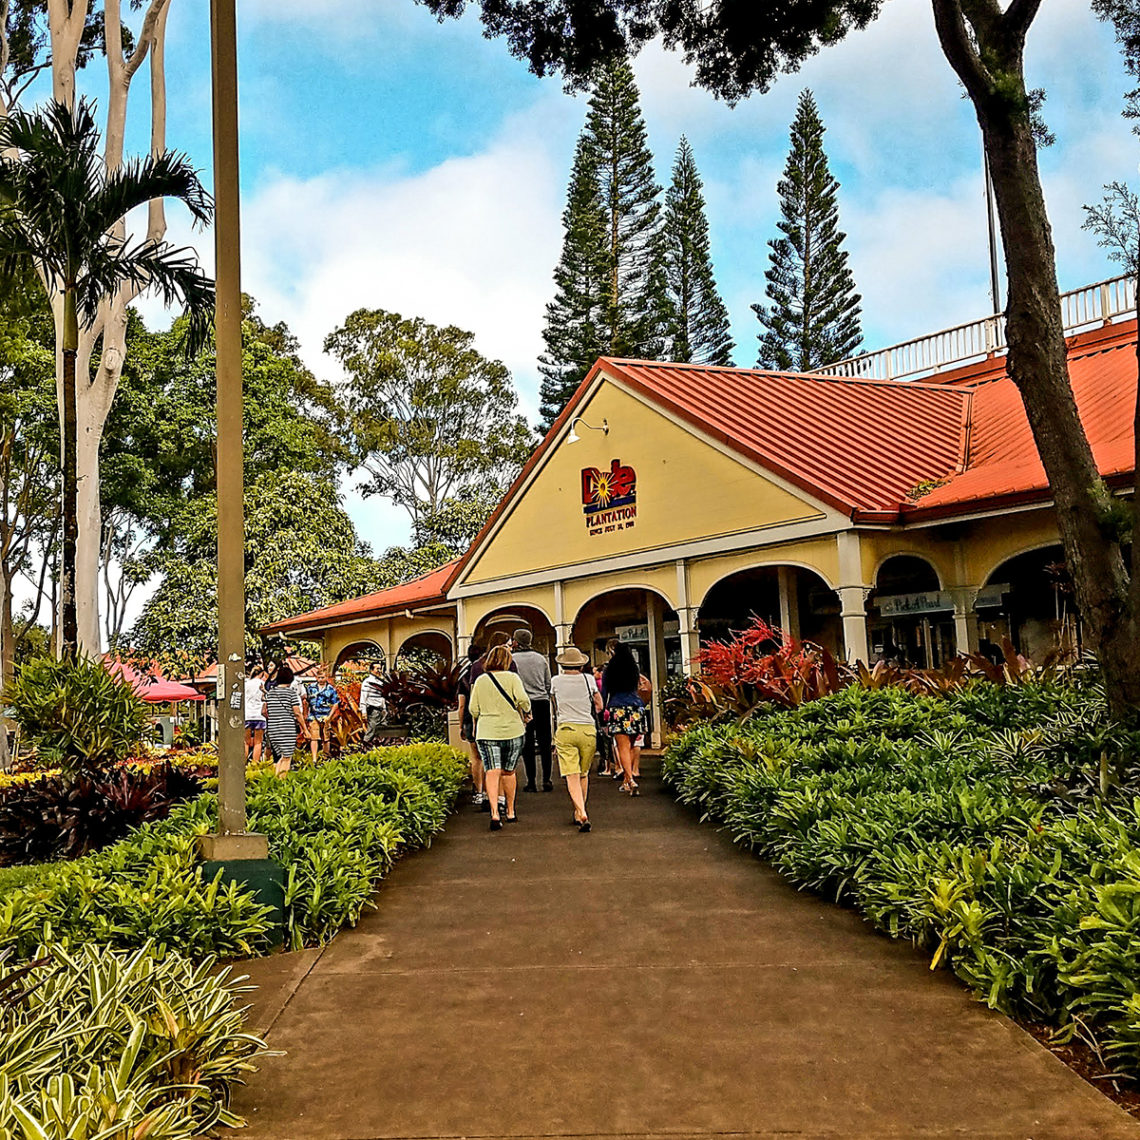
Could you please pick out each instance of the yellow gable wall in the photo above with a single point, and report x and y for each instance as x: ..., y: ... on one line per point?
x: 686, y: 489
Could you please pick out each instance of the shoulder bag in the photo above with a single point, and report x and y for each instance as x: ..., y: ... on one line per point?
x: 524, y: 717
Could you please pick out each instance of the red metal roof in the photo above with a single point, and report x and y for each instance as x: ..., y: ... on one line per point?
x: 1004, y: 467
x: 867, y: 446
x: 855, y: 444
x: 427, y: 590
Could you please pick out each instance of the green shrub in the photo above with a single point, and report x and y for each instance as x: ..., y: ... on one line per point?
x: 336, y: 829
x: 81, y: 718
x: 956, y: 822
x: 99, y: 1043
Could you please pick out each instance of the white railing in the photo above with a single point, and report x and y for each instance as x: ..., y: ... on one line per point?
x: 977, y: 340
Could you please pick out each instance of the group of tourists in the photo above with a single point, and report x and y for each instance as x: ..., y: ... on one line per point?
x: 280, y: 707
x: 510, y: 707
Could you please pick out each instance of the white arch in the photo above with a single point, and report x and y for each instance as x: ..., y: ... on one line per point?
x: 765, y: 566
x: 508, y: 606
x: 906, y: 554
x: 419, y: 633
x: 340, y: 657
x: 1017, y: 554
x: 618, y: 589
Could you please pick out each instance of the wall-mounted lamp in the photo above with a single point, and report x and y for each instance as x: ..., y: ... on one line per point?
x: 573, y: 437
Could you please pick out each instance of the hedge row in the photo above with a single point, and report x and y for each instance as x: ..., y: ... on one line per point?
x: 113, y: 1030
x: 965, y: 824
x: 335, y: 828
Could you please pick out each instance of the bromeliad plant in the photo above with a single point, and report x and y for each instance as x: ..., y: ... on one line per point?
x: 120, y: 1045
x: 81, y: 717
x: 939, y: 817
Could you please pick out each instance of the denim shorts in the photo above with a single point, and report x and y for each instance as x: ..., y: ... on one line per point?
x: 502, y: 754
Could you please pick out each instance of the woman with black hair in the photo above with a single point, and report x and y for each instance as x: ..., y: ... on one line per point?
x: 283, y: 719
x: 623, y: 711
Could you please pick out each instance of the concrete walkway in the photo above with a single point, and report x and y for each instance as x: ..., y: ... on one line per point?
x: 647, y: 979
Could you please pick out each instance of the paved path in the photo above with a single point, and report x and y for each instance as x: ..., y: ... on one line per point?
x: 645, y: 980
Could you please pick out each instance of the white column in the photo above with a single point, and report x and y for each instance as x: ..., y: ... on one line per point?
x: 852, y: 597
x: 462, y: 630
x: 687, y: 621
x: 789, y: 601
x: 653, y: 617
x: 563, y: 629
x: 965, y: 619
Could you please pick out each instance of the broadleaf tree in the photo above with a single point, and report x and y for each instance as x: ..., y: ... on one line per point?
x: 64, y: 36
x: 740, y: 48
x: 696, y: 322
x: 60, y: 205
x: 29, y: 461
x: 428, y: 415
x: 812, y: 315
x: 158, y: 466
x: 301, y: 553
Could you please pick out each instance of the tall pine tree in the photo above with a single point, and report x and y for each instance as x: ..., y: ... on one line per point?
x: 575, y: 320
x: 812, y: 318
x: 629, y: 316
x: 696, y: 320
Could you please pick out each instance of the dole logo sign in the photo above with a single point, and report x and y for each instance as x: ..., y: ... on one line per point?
x: 609, y: 498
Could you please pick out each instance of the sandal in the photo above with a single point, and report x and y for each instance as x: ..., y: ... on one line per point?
x: 584, y: 826
x: 512, y: 819
x: 496, y: 825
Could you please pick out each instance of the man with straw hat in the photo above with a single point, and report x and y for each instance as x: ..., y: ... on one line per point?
x: 576, y: 699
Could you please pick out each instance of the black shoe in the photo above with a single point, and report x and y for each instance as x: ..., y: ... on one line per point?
x: 584, y: 826
x: 548, y: 786
x: 530, y: 788
x: 496, y: 825
x: 512, y: 819
x: 486, y: 804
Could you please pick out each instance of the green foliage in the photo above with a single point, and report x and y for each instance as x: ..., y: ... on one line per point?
x: 302, y: 553
x: 106, y: 1044
x: 66, y: 234
x: 80, y: 716
x: 812, y: 318
x: 335, y: 829
x: 29, y: 456
x: 427, y: 413
x: 696, y: 322
x: 575, y: 319
x: 609, y: 281
x: 939, y: 818
x: 734, y: 48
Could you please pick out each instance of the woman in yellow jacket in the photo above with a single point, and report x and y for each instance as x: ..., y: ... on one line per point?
x: 500, y: 707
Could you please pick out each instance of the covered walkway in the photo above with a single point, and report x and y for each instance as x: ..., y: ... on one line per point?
x: 645, y: 980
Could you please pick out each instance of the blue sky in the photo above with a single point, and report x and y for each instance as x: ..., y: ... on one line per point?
x: 393, y: 162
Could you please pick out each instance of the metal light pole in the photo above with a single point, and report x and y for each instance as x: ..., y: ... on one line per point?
x: 232, y: 842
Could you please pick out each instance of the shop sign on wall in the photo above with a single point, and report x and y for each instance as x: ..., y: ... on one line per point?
x: 640, y: 633
x: 609, y: 498
x: 906, y: 605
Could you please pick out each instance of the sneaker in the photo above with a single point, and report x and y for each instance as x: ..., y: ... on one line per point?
x: 477, y: 799
x: 502, y: 805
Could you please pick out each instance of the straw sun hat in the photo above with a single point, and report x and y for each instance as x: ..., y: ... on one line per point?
x: 572, y: 658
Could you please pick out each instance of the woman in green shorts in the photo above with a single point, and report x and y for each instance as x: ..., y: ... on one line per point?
x: 576, y: 699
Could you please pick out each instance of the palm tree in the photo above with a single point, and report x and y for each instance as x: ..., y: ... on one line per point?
x: 60, y: 213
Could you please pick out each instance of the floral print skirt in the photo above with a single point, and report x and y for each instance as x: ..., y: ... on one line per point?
x: 625, y: 720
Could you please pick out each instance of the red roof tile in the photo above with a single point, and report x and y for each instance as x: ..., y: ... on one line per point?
x: 429, y: 589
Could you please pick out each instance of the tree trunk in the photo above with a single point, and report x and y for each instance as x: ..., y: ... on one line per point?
x: 89, y: 433
x: 69, y: 626
x: 7, y: 659
x: 992, y: 70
